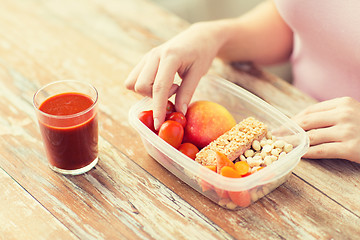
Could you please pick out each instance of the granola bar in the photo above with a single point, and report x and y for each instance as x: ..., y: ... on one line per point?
x: 234, y: 142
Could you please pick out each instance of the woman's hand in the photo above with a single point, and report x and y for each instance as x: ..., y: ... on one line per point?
x: 333, y: 128
x: 189, y: 54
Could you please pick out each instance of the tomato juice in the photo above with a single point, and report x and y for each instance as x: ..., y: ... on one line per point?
x: 69, y: 127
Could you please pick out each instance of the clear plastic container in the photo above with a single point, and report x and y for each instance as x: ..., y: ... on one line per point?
x: 230, y: 193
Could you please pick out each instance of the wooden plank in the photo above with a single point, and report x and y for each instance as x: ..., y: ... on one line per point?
x: 295, y: 205
x: 112, y: 196
x: 22, y: 217
x: 123, y: 202
x: 117, y: 200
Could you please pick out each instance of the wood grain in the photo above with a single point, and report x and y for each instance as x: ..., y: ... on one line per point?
x: 22, y: 217
x: 118, y: 195
x: 129, y: 195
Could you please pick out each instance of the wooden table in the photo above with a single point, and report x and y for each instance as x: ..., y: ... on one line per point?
x: 128, y: 195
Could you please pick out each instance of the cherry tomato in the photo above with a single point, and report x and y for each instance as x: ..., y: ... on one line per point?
x: 178, y: 117
x: 189, y: 150
x: 172, y: 132
x: 170, y: 107
x: 242, y: 198
x: 222, y: 193
x: 146, y: 117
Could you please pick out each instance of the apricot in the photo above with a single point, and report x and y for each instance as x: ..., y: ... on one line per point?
x: 206, y: 121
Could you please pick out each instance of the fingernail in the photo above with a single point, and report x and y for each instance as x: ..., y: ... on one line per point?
x: 184, y: 108
x: 156, y: 124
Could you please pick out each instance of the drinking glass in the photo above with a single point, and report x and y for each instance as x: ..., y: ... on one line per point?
x: 67, y: 113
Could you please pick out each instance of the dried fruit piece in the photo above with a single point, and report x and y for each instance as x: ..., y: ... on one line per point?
x: 242, y: 167
x: 230, y: 172
x: 222, y: 161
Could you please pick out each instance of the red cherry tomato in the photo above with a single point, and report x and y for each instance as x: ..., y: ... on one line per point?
x: 189, y: 150
x: 146, y: 117
x: 178, y: 117
x: 172, y: 132
x: 170, y: 107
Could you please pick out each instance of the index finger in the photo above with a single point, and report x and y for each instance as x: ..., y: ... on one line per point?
x: 163, y: 82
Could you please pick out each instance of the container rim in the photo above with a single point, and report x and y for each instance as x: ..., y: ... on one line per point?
x: 267, y: 174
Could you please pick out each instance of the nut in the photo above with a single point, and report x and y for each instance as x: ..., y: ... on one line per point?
x: 276, y: 152
x: 231, y: 205
x: 279, y: 143
x: 282, y: 154
x: 267, y: 148
x: 288, y: 147
x: 268, y: 135
x: 249, y: 153
x: 256, y: 145
x: 263, y: 142
x: 223, y: 202
x: 268, y: 160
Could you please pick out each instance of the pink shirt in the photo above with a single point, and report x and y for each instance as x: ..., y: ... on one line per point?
x: 326, y: 54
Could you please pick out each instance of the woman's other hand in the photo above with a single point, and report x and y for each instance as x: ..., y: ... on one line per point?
x: 333, y: 127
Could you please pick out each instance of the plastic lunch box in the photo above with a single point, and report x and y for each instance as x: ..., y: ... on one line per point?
x: 230, y: 193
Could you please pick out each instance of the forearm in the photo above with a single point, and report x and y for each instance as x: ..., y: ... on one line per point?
x: 260, y: 36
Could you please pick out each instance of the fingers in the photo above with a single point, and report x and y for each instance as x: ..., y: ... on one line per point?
x: 162, y: 85
x: 326, y: 150
x: 154, y: 78
x: 186, y: 90
x: 141, y: 79
x: 145, y: 80
x: 321, y: 106
x: 316, y: 120
x: 323, y: 135
x: 173, y: 90
x: 131, y: 79
x: 328, y: 105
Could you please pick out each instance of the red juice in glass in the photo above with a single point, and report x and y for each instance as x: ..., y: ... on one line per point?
x: 69, y: 126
